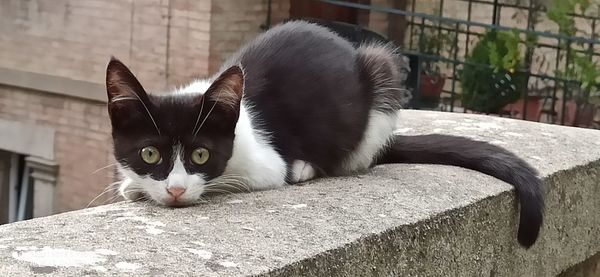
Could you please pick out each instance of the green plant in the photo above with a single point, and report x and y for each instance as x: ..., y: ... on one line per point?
x: 581, y: 68
x: 490, y: 78
x: 586, y: 73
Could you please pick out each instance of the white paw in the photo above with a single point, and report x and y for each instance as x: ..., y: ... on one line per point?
x: 302, y: 171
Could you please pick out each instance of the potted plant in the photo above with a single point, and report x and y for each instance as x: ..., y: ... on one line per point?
x: 580, y: 108
x: 581, y: 73
x: 433, y: 42
x: 490, y: 78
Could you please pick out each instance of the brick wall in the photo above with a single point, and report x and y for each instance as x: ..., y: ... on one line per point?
x: 233, y: 24
x: 75, y: 39
x: 82, y: 141
x: 189, y: 40
x: 165, y: 42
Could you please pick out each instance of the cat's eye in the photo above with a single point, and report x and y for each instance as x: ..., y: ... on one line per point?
x: 150, y: 155
x: 200, y: 156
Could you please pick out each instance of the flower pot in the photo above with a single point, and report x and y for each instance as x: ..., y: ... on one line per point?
x: 485, y: 86
x: 579, y: 115
x: 430, y: 89
x: 533, y: 108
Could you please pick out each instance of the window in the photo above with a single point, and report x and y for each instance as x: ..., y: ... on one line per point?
x: 15, y: 190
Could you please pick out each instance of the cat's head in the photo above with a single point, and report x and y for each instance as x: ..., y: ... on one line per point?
x: 170, y: 147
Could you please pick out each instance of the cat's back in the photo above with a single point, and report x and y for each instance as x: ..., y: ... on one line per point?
x: 294, y: 55
x: 304, y: 84
x: 295, y: 45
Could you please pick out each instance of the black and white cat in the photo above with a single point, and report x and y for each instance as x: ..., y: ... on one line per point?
x: 296, y: 103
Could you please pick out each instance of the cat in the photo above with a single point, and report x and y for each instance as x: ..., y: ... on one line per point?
x: 296, y: 103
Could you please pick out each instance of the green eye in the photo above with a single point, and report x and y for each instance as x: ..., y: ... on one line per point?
x: 150, y: 155
x: 200, y: 156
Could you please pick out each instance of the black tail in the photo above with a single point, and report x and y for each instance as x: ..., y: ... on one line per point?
x: 483, y: 157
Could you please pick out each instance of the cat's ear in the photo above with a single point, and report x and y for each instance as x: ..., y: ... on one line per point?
x: 126, y: 96
x: 227, y: 90
x: 121, y: 84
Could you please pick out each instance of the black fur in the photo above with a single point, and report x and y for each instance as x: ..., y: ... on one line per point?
x: 304, y: 82
x: 483, y: 157
x: 385, y: 72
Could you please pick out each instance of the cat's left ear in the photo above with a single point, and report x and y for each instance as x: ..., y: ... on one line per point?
x: 227, y: 90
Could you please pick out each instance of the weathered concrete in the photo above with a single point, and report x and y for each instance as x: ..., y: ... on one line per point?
x: 587, y: 268
x: 404, y: 220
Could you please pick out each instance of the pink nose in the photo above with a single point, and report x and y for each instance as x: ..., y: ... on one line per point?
x: 176, y: 191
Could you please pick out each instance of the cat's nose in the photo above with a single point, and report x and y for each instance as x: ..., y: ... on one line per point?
x: 176, y: 191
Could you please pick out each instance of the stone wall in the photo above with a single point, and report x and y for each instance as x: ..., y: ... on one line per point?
x: 396, y: 220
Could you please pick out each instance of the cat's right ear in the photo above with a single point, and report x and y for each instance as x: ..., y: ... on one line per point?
x: 125, y: 93
x: 224, y: 95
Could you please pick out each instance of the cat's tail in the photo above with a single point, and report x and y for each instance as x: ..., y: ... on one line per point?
x: 386, y: 71
x: 483, y: 157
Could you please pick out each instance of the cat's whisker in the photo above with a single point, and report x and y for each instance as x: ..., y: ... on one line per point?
x: 96, y: 198
x: 200, y: 200
x: 221, y: 191
x: 102, y: 168
x: 226, y: 186
x: 110, y: 188
x: 111, y: 199
x: 233, y: 183
x: 145, y: 198
x: 134, y: 189
x: 219, y: 179
x: 148, y: 112
x: 199, y: 115
x: 209, y: 112
x: 239, y: 185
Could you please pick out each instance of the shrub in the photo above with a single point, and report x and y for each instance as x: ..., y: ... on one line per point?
x: 490, y: 79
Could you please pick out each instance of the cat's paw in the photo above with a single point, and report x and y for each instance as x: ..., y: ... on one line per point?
x: 302, y: 171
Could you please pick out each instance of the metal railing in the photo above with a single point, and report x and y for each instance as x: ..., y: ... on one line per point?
x: 546, y: 59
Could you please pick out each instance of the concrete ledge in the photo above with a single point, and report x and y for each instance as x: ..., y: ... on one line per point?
x: 402, y: 220
x: 53, y: 84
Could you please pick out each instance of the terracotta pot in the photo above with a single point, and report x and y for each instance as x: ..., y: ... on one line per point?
x: 430, y: 89
x: 579, y: 115
x: 533, y: 108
